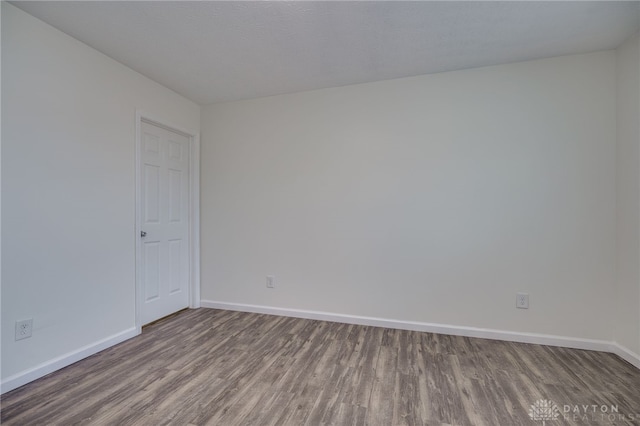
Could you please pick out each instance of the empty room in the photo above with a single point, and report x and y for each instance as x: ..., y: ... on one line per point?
x: 320, y: 213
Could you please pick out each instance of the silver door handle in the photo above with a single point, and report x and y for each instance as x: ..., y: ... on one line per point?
x: 143, y: 234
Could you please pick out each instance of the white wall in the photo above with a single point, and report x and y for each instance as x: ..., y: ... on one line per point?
x: 627, y: 311
x: 431, y: 199
x: 68, y: 137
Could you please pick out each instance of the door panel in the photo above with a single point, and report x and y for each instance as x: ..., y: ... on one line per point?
x: 152, y: 270
x: 175, y: 195
x: 165, y: 203
x: 152, y: 194
x: 175, y: 265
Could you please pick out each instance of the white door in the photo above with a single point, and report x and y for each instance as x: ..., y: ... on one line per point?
x: 164, y: 208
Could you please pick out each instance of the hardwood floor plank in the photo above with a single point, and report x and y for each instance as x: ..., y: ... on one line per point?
x: 213, y: 367
x: 380, y: 406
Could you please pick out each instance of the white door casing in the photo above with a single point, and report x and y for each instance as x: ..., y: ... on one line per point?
x: 167, y: 277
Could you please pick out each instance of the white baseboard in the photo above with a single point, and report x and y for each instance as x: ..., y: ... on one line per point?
x: 626, y: 354
x: 45, y: 368
x: 484, y: 333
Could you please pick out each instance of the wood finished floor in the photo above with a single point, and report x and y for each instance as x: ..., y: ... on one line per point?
x: 218, y: 367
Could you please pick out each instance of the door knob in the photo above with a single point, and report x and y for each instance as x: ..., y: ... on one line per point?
x: 143, y: 234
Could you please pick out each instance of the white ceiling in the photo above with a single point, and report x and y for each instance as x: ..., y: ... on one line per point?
x: 223, y: 51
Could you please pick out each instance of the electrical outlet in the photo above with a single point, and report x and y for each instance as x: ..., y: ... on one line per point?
x: 23, y: 328
x: 522, y: 300
x: 271, y: 281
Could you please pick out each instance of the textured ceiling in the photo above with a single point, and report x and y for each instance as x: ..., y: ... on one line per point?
x: 222, y: 51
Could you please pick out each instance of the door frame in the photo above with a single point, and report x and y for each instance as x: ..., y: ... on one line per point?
x: 194, y: 210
